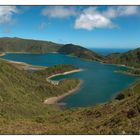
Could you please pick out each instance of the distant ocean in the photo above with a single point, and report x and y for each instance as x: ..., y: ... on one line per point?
x: 106, y: 51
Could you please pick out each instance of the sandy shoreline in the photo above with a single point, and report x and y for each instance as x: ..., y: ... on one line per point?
x: 120, y: 65
x: 55, y: 100
x: 2, y: 54
x: 23, y: 65
x: 65, y: 73
x: 127, y: 73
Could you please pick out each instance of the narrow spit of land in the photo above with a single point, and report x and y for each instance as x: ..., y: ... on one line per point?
x: 2, y: 54
x: 51, y: 100
x: 23, y: 66
x: 55, y: 100
x: 65, y: 73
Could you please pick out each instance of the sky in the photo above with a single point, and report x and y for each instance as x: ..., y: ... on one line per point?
x: 88, y: 26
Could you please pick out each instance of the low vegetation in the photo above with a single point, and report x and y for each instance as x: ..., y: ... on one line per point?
x: 56, y: 69
x: 130, y: 58
x: 36, y: 46
x: 131, y: 71
x: 22, y: 110
x: 134, y: 71
x: 19, y: 45
x: 27, y: 45
x: 81, y: 52
x: 22, y: 93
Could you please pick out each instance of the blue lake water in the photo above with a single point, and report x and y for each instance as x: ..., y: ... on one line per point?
x: 100, y: 84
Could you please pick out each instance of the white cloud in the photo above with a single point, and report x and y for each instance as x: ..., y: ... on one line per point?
x: 110, y: 13
x: 127, y: 10
x: 59, y: 11
x: 117, y: 11
x: 6, y: 13
x: 91, y: 18
x: 90, y: 22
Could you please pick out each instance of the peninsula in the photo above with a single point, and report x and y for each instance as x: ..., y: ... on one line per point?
x: 130, y: 59
x: 70, y: 70
x: 26, y: 96
x: 22, y: 96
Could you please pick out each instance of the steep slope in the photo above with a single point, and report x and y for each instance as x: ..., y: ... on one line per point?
x: 22, y: 93
x: 130, y: 58
x: 22, y: 110
x: 120, y: 116
x: 36, y: 46
x: 27, y: 45
x: 79, y: 51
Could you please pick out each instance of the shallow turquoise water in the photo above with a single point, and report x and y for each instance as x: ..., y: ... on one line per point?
x: 100, y: 84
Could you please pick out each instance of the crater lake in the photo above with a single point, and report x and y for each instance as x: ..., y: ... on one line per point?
x: 100, y: 81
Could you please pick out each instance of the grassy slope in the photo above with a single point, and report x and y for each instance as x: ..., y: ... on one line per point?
x: 27, y: 45
x: 117, y: 117
x: 55, y: 69
x: 22, y: 93
x: 81, y: 52
x: 22, y: 111
x: 121, y: 116
x: 130, y: 58
x: 36, y: 46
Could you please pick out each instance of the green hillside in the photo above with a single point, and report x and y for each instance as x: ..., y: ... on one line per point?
x: 27, y: 45
x: 22, y: 93
x: 22, y: 110
x: 81, y: 52
x: 130, y: 58
x: 120, y: 116
x: 36, y: 46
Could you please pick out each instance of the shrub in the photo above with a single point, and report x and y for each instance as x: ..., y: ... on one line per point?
x: 39, y: 119
x: 120, y: 96
x: 131, y: 114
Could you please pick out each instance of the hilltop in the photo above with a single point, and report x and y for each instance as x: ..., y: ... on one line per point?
x: 130, y: 58
x: 81, y: 52
x: 15, y: 44
x: 36, y: 46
